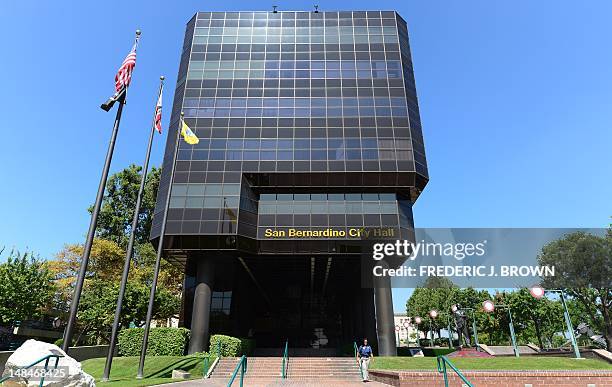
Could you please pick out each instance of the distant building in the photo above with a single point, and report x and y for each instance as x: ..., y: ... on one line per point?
x: 405, y: 330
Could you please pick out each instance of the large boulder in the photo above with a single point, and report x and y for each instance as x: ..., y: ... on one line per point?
x: 68, y: 374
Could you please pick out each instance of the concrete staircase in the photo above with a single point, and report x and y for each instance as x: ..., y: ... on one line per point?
x: 257, y: 368
x: 336, y: 368
x: 508, y: 350
x: 299, y: 368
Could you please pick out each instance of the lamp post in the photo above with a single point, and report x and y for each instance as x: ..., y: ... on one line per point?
x: 450, y: 332
x: 418, y: 321
x: 397, y: 333
x: 407, y: 329
x: 539, y: 292
x: 456, y: 308
x: 489, y: 307
x: 432, y: 316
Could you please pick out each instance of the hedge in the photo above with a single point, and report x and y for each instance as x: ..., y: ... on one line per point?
x: 438, y: 342
x: 231, y: 346
x: 162, y: 341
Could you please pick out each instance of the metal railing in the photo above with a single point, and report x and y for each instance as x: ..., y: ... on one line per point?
x: 205, y: 366
x: 443, y: 362
x: 242, y: 367
x: 285, y: 363
x: 357, y: 359
x: 45, y: 359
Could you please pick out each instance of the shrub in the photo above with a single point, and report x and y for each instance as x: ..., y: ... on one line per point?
x: 230, y: 346
x: 438, y: 342
x: 59, y: 342
x: 162, y: 341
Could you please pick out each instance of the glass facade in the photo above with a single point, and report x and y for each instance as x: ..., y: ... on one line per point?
x: 305, y: 120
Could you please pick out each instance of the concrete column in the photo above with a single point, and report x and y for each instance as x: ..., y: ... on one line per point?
x: 368, y: 318
x: 200, y: 317
x: 385, y: 326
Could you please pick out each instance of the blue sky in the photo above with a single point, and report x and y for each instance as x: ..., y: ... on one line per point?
x: 515, y: 100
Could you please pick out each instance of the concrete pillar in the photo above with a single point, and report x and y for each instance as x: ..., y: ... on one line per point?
x: 368, y: 318
x: 200, y: 317
x: 385, y: 326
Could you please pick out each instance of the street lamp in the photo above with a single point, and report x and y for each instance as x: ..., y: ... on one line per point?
x: 397, y: 330
x: 489, y: 307
x: 455, y: 308
x: 418, y: 321
x: 538, y: 292
x: 450, y: 331
x: 406, y: 327
x: 432, y: 314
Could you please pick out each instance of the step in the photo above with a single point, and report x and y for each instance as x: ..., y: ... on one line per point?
x: 260, y: 368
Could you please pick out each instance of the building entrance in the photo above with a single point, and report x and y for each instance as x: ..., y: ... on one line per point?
x: 313, y: 302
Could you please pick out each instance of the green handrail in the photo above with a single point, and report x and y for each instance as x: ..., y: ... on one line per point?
x: 45, y: 359
x: 285, y: 361
x: 206, y: 366
x: 242, y: 367
x: 442, y: 363
x: 357, y: 359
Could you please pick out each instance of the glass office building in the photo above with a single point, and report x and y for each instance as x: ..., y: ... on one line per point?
x: 309, y: 132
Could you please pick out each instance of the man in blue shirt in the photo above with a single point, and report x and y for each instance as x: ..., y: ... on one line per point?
x: 364, y: 354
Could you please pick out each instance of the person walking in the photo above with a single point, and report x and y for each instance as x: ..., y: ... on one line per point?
x: 364, y: 355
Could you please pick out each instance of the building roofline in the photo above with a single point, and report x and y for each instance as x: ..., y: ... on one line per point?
x: 310, y: 11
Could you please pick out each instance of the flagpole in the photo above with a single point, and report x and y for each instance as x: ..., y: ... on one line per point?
x: 160, y: 246
x: 130, y: 248
x: 74, y: 305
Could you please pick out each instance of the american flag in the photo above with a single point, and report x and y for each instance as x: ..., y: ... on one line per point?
x: 158, y: 111
x: 124, y: 74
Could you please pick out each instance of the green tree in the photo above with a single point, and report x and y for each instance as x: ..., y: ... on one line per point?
x: 537, y: 319
x: 115, y: 220
x: 106, y: 262
x: 436, y: 293
x: 97, y: 307
x: 25, y: 287
x: 99, y: 297
x: 583, y: 268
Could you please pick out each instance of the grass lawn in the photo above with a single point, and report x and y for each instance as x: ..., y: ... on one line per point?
x: 158, y: 369
x: 494, y: 363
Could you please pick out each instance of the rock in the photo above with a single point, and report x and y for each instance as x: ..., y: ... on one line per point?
x: 180, y: 374
x: 68, y: 373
